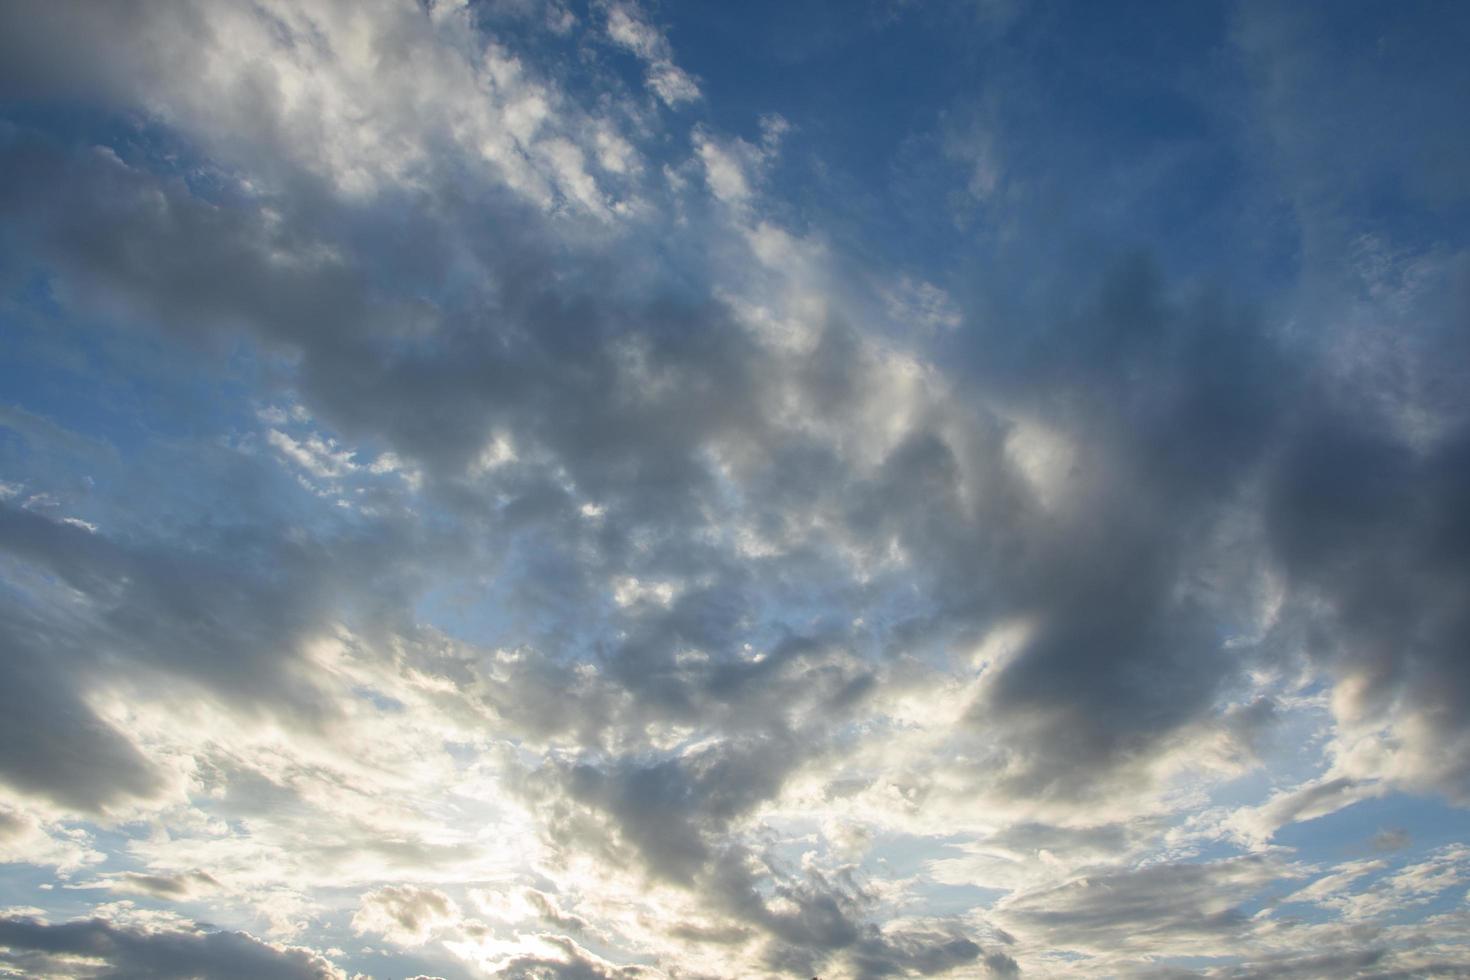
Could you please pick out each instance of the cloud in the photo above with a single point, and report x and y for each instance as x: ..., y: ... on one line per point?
x: 664, y: 559
x: 667, y: 812
x: 287, y: 101
x: 1162, y: 909
x: 628, y: 28
x: 176, y: 887
x: 96, y: 948
x: 1309, y: 802
x: 1365, y: 525
x: 405, y: 915
x: 572, y: 963
x: 57, y: 746
x: 212, y: 620
x: 29, y: 837
x: 319, y: 458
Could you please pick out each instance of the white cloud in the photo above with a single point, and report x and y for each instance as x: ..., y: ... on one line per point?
x: 628, y: 28
x: 405, y: 915
x: 320, y: 457
x: 723, y: 170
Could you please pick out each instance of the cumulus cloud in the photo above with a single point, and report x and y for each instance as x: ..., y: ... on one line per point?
x: 404, y: 914
x: 96, y: 948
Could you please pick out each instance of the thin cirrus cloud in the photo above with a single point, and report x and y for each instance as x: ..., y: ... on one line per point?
x: 527, y: 489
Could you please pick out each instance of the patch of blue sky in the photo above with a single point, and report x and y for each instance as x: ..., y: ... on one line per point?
x: 1135, y: 100
x: 390, y: 961
x: 1292, y: 753
x: 112, y: 395
x: 940, y: 898
x: 1197, y: 963
x: 1386, y: 827
x: 23, y: 885
x: 135, y: 138
x: 906, y: 855
x: 472, y: 611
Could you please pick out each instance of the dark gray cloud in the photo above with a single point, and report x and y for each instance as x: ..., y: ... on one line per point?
x: 1170, y: 407
x: 1373, y: 533
x: 1163, y: 908
x: 1346, y: 964
x: 668, y: 813
x: 54, y: 744
x: 1373, y: 963
x: 34, y: 946
x: 922, y: 953
x: 231, y: 618
x: 173, y: 886
x: 670, y: 821
x: 579, y: 964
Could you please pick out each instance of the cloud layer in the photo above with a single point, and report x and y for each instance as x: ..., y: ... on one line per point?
x: 506, y: 489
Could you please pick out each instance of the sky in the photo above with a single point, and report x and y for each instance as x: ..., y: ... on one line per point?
x: 551, y: 490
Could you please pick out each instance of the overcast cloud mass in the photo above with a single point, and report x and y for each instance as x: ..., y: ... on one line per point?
x: 543, y: 489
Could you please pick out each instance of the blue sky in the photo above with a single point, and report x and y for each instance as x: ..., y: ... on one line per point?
x: 545, y: 490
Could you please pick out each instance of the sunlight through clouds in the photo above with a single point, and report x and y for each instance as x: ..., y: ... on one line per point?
x: 610, y: 489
